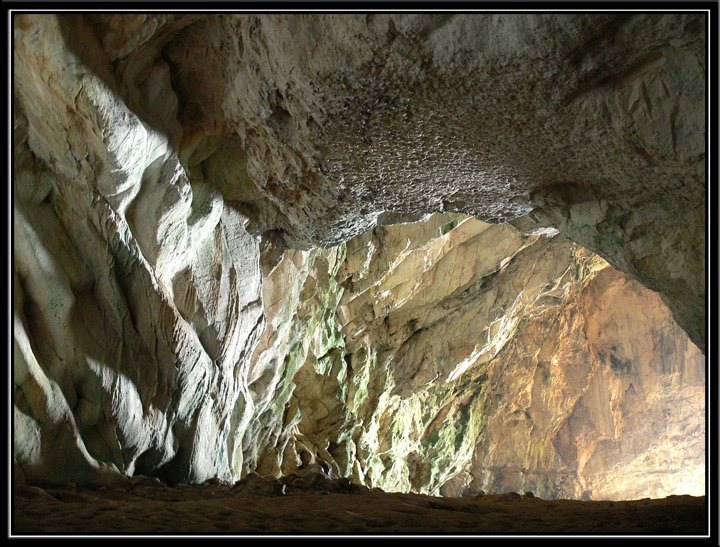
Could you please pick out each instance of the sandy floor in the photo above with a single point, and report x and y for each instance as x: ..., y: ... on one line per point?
x: 319, y: 506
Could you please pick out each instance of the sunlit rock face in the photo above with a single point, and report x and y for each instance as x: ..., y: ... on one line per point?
x: 466, y: 357
x: 164, y: 164
x: 137, y: 296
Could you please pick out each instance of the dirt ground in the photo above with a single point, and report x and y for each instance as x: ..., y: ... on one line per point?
x: 301, y: 505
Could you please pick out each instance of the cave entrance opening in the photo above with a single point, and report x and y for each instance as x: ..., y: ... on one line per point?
x: 453, y: 357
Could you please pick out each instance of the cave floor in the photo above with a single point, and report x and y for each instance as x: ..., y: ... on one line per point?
x: 266, y: 508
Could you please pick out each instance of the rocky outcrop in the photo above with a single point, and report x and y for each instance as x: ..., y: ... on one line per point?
x: 174, y: 176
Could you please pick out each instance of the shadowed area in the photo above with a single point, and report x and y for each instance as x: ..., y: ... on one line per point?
x: 295, y: 505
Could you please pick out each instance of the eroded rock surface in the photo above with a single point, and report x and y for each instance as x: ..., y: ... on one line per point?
x: 137, y: 296
x: 465, y: 357
x: 164, y: 163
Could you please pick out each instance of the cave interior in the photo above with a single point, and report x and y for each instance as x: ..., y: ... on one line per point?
x: 359, y: 272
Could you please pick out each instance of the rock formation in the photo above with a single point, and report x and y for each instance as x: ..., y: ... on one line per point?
x: 455, y: 357
x: 179, y: 179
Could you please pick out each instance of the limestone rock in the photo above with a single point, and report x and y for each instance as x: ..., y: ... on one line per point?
x: 137, y: 296
x: 593, y: 121
x: 465, y: 357
x: 178, y: 179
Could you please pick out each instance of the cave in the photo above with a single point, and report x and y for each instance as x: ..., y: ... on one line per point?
x: 359, y: 273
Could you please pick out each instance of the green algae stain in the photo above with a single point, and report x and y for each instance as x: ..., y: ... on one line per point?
x: 445, y: 228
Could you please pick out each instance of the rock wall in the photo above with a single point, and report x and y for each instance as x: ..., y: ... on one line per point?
x: 465, y: 357
x: 137, y: 296
x: 163, y: 165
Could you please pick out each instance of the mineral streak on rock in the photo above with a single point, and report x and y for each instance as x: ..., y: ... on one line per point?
x: 191, y: 300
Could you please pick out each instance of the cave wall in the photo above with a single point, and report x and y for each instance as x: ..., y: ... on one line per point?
x: 455, y: 357
x: 137, y: 296
x: 163, y: 164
